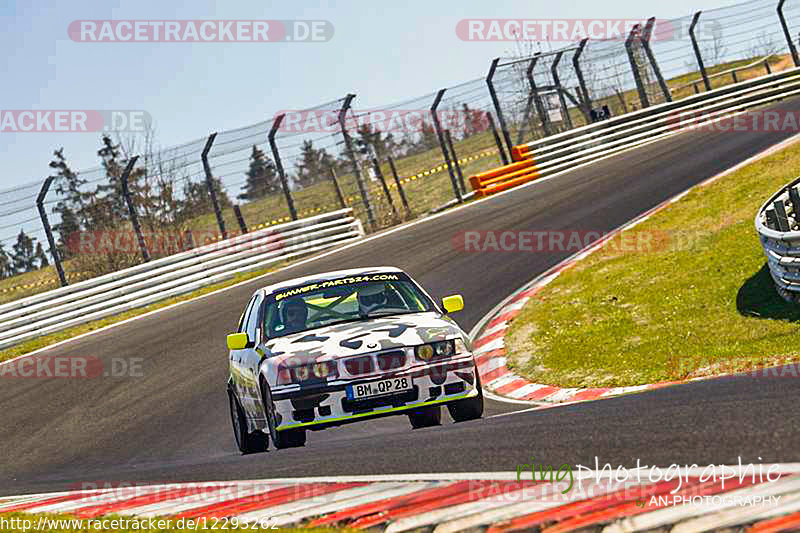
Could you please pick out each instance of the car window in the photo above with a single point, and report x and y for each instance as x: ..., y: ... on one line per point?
x: 335, y: 301
x: 246, y: 315
x: 251, y: 324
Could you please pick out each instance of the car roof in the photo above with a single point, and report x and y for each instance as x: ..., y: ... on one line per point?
x: 322, y: 276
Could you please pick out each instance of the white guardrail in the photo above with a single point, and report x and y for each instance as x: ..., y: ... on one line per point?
x: 778, y: 227
x: 602, y: 139
x: 170, y: 276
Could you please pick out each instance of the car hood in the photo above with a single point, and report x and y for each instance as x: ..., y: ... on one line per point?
x: 352, y: 338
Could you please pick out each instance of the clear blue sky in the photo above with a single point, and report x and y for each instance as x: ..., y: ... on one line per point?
x: 383, y: 51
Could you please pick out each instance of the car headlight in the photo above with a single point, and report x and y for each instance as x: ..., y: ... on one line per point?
x: 425, y: 352
x: 322, y: 370
x: 301, y: 373
x: 460, y: 346
x: 443, y: 348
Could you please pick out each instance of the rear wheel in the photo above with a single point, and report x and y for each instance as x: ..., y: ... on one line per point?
x: 425, y: 417
x: 246, y: 442
x: 288, y: 438
x: 468, y: 408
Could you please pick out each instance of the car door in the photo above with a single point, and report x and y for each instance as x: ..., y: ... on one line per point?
x: 237, y: 372
x: 250, y: 360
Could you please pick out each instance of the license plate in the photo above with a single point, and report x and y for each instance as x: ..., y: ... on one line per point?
x: 378, y: 388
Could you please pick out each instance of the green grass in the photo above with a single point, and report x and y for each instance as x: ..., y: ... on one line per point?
x: 698, y: 302
x: 47, y: 340
x: 63, y: 523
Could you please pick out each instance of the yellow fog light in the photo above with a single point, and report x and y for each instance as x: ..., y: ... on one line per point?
x: 425, y: 352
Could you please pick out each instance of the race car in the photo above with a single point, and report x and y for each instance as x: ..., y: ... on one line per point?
x: 344, y: 346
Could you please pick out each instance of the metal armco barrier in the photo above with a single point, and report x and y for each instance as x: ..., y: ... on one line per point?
x: 170, y: 276
x: 778, y: 227
x: 603, y: 139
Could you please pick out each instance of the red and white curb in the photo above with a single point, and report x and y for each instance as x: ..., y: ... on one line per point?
x: 692, y: 500
x: 489, y: 334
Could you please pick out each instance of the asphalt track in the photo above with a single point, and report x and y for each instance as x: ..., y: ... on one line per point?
x: 172, y: 423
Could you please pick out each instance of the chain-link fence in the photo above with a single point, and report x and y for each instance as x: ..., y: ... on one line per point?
x: 389, y: 163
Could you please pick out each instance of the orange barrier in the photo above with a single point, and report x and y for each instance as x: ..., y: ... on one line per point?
x: 505, y: 177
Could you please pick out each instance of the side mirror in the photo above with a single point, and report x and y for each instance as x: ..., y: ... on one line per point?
x: 237, y: 341
x: 453, y: 304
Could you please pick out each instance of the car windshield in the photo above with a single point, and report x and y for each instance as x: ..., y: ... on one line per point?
x: 342, y: 300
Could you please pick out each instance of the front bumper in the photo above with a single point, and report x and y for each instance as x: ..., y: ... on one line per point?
x: 327, y: 405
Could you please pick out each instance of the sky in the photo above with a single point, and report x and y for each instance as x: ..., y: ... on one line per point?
x: 385, y: 52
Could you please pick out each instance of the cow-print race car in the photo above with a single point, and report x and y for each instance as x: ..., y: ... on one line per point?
x: 339, y: 347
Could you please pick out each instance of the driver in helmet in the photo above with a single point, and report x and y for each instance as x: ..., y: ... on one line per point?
x: 294, y: 315
x: 372, y: 297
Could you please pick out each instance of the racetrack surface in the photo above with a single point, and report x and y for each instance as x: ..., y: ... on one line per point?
x: 172, y: 424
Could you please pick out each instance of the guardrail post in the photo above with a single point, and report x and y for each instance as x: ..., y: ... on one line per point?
x: 537, y: 99
x: 788, y: 36
x: 645, y: 40
x: 338, y: 188
x: 637, y: 76
x: 584, y: 92
x: 126, y: 193
x: 559, y: 88
x: 496, y: 102
x: 240, y: 218
x: 279, y: 165
x: 399, y: 186
x: 210, y: 183
x: 497, y: 140
x: 348, y: 144
x: 449, y: 140
x: 437, y: 125
x: 378, y: 172
x: 49, y: 231
x: 766, y: 66
x: 697, y: 53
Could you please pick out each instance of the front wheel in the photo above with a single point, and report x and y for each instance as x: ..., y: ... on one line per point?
x: 246, y: 442
x: 288, y: 438
x: 425, y: 417
x: 468, y: 408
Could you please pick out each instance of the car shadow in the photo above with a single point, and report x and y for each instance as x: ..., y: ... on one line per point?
x: 758, y: 298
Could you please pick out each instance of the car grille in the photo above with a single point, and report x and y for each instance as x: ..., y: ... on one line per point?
x: 391, y: 360
x: 359, y: 365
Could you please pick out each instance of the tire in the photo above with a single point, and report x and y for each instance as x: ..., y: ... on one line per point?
x: 426, y: 417
x: 246, y: 442
x: 288, y: 438
x: 468, y: 408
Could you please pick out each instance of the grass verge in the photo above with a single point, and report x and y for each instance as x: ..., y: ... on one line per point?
x: 47, y: 340
x: 696, y: 300
x: 62, y: 523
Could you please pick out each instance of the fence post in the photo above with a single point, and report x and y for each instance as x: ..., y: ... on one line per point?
x: 645, y: 39
x: 440, y: 135
x: 766, y: 66
x: 338, y: 188
x: 348, y: 144
x: 496, y: 102
x: 697, y: 53
x: 378, y: 172
x: 536, y: 99
x: 579, y: 73
x: 637, y: 76
x: 557, y: 81
x: 210, y: 183
x: 497, y: 138
x: 399, y: 186
x: 240, y: 218
x: 49, y: 231
x: 126, y: 193
x: 789, y: 41
x: 279, y: 165
x: 528, y: 106
x: 449, y: 140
